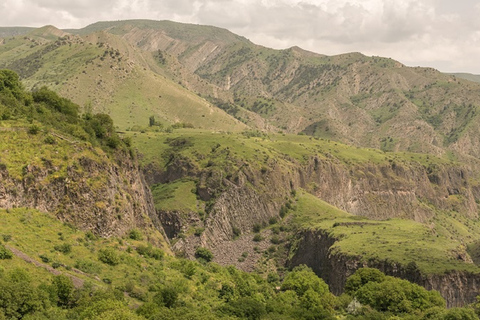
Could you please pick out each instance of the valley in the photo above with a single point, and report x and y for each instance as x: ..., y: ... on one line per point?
x: 181, y: 171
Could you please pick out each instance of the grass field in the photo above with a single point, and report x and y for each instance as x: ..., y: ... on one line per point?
x: 434, y: 249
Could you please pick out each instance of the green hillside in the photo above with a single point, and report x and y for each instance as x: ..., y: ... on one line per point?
x: 157, y: 170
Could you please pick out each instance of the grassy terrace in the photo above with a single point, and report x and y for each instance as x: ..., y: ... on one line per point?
x: 434, y: 250
x: 205, y: 145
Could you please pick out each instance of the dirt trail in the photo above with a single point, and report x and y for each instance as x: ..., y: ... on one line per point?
x: 77, y: 282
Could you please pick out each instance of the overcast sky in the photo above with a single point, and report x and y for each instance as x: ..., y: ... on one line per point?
x: 444, y: 34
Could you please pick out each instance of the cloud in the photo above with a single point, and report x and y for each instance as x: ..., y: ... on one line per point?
x: 440, y: 33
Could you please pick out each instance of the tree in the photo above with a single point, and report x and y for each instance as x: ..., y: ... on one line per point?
x: 152, y: 121
x: 109, y: 256
x: 361, y: 277
x: 203, y: 254
x: 301, y: 279
x: 398, y: 296
x: 460, y: 314
x: 64, y: 290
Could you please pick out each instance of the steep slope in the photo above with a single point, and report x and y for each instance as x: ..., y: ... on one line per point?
x: 374, y: 102
x: 75, y: 168
x: 242, y: 196
x: 140, y: 68
x: 468, y: 76
x: 104, y: 73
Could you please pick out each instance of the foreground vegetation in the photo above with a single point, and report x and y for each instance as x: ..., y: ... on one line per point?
x: 127, y: 278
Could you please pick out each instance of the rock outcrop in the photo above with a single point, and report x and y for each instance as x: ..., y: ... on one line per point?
x: 98, y: 193
x: 457, y: 287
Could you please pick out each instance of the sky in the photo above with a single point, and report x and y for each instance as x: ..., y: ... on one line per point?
x: 443, y: 34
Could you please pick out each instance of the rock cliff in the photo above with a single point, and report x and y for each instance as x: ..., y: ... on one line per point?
x: 314, y: 249
x: 376, y: 191
x: 91, y: 190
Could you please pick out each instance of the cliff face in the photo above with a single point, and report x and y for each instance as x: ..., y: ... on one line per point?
x: 374, y: 191
x: 457, y: 287
x: 388, y: 191
x: 93, y: 193
x: 251, y: 196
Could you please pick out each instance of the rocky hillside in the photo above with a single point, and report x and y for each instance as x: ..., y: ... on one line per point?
x: 75, y: 168
x: 242, y: 147
x: 161, y: 68
x: 242, y: 195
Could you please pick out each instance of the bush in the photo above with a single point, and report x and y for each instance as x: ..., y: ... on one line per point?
x: 64, y: 289
x: 204, y: 254
x: 135, y: 234
x: 275, y: 240
x: 34, y: 129
x: 246, y: 307
x: 5, y: 253
x: 361, y: 277
x: 257, y: 237
x: 63, y: 248
x: 398, y: 296
x: 44, y: 258
x: 149, y: 251
x: 109, y: 256
x: 167, y: 297
x: 198, y: 231
x: 257, y: 227
x: 49, y: 139
x: 236, y: 232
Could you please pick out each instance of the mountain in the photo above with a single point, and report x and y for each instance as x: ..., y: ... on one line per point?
x: 468, y: 76
x: 268, y: 159
x: 180, y: 72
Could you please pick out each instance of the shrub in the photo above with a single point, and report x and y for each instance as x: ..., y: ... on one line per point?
x: 283, y: 211
x: 236, y: 231
x: 64, y: 289
x: 245, y: 307
x: 204, y: 254
x: 257, y: 227
x: 149, y: 251
x: 198, y: 231
x: 109, y: 256
x: 49, y: 139
x: 275, y: 240
x: 44, y: 258
x: 63, y: 248
x: 34, y: 129
x: 5, y: 253
x: 361, y: 277
x: 257, y: 237
x: 398, y: 296
x: 135, y: 234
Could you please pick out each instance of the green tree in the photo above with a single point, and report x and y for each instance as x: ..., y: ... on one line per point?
x: 361, y: 277
x: 398, y: 296
x: 64, y: 290
x: 460, y: 314
x: 203, y: 254
x: 301, y: 279
x: 18, y: 297
x: 5, y: 253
